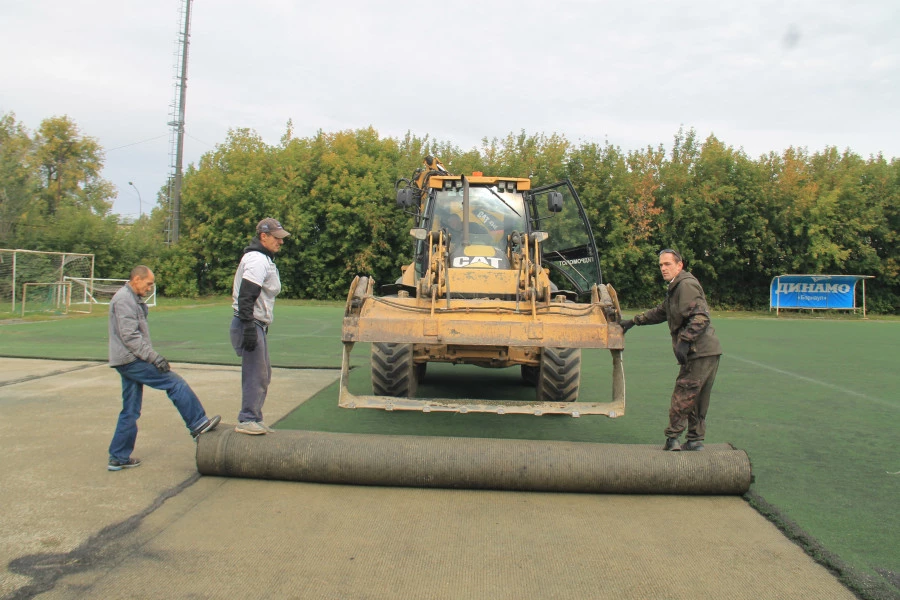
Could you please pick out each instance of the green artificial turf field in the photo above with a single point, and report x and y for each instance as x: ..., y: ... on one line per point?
x: 814, y: 402
x: 306, y: 335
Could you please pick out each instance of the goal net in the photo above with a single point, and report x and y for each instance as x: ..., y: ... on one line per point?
x: 18, y: 267
x: 86, y: 292
x: 46, y: 297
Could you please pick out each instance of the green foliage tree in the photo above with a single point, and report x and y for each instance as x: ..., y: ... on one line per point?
x: 738, y: 221
x: 70, y: 165
x: 334, y: 192
x: 350, y: 202
x: 540, y: 157
x: 18, y: 182
x: 222, y: 200
x: 141, y: 242
x: 53, y: 198
x: 881, y: 187
x: 720, y: 222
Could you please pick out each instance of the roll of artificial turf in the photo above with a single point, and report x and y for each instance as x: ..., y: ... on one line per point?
x: 473, y: 463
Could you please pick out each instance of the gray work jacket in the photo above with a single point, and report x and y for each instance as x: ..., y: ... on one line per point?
x: 129, y: 334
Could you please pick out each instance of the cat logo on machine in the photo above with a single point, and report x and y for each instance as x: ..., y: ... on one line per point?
x: 487, y: 220
x: 484, y: 262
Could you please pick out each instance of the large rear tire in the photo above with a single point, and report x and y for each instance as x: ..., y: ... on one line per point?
x: 393, y: 370
x: 560, y: 375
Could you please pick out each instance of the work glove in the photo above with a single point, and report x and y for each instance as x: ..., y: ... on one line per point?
x: 626, y: 325
x: 161, y: 364
x: 681, y: 351
x: 248, y: 341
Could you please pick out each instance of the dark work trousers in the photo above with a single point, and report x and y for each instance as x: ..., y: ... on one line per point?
x: 135, y: 375
x: 690, y: 400
x: 256, y: 372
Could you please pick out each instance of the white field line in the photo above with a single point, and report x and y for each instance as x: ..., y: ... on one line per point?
x: 816, y: 381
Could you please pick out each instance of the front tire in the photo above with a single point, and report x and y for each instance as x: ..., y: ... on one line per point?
x: 560, y: 375
x: 393, y: 370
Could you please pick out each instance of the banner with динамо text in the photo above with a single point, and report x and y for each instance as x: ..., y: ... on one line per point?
x: 813, y: 291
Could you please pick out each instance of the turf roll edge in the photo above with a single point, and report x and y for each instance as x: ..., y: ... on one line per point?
x: 472, y: 463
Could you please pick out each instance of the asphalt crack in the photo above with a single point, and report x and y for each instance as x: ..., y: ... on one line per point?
x: 50, y: 374
x: 104, y: 549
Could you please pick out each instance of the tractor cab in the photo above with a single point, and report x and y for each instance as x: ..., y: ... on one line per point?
x: 478, y: 238
x: 484, y: 222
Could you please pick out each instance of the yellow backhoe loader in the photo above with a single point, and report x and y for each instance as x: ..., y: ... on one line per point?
x: 503, y: 275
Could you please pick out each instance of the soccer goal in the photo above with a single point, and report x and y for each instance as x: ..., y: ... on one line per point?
x: 53, y: 297
x: 86, y: 292
x: 18, y: 267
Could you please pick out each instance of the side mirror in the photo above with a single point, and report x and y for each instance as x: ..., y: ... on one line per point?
x: 554, y: 202
x: 406, y: 197
x: 420, y: 233
x: 539, y: 236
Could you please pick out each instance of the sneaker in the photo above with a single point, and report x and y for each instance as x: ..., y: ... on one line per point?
x: 209, y: 425
x: 672, y: 445
x: 251, y: 428
x: 693, y: 445
x: 266, y: 427
x: 118, y: 465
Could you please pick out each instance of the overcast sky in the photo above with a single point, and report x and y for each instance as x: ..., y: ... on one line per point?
x: 761, y: 75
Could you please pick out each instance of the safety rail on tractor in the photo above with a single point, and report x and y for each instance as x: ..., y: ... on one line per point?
x: 496, y: 281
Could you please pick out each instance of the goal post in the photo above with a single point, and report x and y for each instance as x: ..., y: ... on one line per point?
x: 40, y: 270
x: 18, y: 267
x: 52, y: 297
x: 86, y: 292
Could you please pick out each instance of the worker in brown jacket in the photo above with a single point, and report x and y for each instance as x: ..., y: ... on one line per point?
x: 696, y: 348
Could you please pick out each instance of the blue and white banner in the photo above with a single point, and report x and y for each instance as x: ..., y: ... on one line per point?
x: 813, y: 291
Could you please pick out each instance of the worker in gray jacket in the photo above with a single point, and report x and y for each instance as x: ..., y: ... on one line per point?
x: 131, y: 354
x: 696, y: 348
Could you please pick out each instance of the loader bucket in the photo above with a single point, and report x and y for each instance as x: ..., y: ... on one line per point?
x: 475, y: 324
x: 612, y: 409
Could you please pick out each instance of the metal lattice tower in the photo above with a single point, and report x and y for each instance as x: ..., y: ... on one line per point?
x: 176, y: 136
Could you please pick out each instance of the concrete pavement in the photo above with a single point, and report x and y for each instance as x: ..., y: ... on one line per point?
x: 71, y: 529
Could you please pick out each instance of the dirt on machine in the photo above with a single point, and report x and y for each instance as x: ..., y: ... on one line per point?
x: 504, y: 275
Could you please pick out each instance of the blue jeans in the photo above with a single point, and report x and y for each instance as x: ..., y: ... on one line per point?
x: 256, y: 372
x: 135, y: 376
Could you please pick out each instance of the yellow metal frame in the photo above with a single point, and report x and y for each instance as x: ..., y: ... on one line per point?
x: 613, y: 409
x: 408, y: 320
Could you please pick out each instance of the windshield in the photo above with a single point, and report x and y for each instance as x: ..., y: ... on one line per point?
x: 493, y: 214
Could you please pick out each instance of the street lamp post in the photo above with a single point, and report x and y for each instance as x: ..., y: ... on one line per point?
x: 140, y: 202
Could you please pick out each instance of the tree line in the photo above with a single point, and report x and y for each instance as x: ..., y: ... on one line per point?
x: 53, y: 198
x: 738, y: 221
